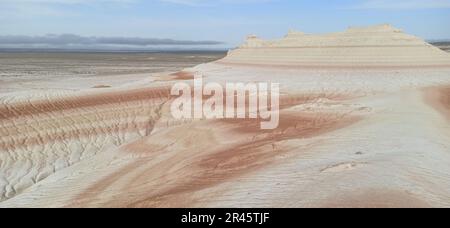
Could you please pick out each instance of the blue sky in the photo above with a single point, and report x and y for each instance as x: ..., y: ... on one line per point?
x: 228, y: 21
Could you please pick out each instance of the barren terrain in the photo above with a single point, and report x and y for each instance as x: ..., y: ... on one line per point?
x: 362, y: 136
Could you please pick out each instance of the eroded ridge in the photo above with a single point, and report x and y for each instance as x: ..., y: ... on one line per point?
x: 40, y: 137
x: 380, y: 46
x: 175, y: 164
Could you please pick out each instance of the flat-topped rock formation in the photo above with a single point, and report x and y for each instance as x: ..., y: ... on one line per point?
x: 377, y: 46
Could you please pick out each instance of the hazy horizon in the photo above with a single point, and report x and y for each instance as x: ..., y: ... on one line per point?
x: 198, y: 24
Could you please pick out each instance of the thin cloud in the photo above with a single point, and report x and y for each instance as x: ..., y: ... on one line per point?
x: 203, y: 3
x: 28, y: 8
x: 70, y: 2
x: 402, y: 4
x: 181, y: 2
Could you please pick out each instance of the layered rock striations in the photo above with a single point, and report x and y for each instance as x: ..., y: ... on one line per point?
x: 377, y: 46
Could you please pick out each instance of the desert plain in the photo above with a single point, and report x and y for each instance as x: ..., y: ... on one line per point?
x: 364, y: 122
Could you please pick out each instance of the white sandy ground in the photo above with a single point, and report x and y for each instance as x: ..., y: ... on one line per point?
x: 358, y: 128
x: 368, y: 139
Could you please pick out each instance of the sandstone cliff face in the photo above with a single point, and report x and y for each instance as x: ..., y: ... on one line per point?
x: 377, y: 46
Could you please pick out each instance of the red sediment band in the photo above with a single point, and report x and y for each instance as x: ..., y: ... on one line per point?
x: 20, y: 109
